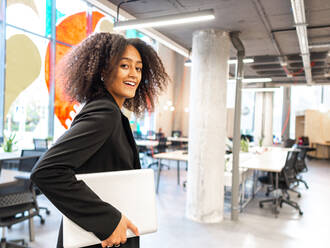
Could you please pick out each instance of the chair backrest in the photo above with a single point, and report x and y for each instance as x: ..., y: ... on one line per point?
x: 289, y: 172
x: 289, y: 143
x: 161, y: 147
x: 16, y: 193
x: 176, y: 133
x: 28, y: 163
x: 301, y: 164
x: 40, y: 144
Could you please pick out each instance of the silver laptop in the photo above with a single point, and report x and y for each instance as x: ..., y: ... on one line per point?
x: 134, y: 196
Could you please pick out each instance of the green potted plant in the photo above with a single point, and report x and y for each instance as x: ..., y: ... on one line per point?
x: 9, y: 143
x: 245, y: 145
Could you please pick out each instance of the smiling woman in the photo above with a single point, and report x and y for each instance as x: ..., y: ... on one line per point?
x: 106, y: 72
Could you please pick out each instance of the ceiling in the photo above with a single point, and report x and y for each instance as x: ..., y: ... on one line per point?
x: 266, y: 29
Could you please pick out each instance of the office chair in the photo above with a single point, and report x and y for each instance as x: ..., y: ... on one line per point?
x: 288, y: 143
x: 17, y: 204
x: 287, y: 179
x: 301, y: 166
x: 27, y: 165
x: 40, y: 144
x: 160, y: 148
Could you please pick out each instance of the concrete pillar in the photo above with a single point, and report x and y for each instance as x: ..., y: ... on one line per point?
x: 207, y: 126
x: 263, y: 118
x: 286, y: 113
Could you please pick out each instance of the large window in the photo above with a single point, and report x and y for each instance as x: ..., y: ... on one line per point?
x: 29, y: 65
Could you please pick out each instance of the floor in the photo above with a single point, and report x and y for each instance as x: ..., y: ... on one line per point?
x: 256, y: 227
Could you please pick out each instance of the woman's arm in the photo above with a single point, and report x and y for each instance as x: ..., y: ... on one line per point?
x: 54, y: 174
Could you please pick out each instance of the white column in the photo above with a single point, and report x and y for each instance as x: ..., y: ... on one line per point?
x: 263, y: 119
x: 286, y: 113
x: 258, y: 112
x: 207, y: 126
x: 268, y: 118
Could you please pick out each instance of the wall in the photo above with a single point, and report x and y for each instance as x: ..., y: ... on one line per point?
x: 164, y: 118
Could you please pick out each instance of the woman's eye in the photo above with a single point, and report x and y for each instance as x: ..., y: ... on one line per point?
x: 139, y: 69
x: 124, y: 66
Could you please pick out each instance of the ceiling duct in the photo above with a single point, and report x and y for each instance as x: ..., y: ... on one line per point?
x: 298, y: 9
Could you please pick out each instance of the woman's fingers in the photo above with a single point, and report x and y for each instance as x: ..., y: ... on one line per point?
x: 132, y: 227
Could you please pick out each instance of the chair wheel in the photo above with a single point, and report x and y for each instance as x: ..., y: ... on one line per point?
x: 299, y: 195
x: 301, y: 213
x: 47, y: 212
x: 42, y: 221
x: 261, y: 205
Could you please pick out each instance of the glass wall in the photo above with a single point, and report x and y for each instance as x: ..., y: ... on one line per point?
x: 29, y: 65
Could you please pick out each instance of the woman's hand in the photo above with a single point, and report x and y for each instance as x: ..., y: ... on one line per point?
x: 119, y: 234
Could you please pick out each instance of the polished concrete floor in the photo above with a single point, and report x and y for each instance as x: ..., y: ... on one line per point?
x: 256, y: 227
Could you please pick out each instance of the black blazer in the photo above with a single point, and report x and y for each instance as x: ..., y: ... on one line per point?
x: 99, y: 140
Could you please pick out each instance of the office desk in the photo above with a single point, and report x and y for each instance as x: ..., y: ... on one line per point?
x: 271, y: 160
x: 149, y: 143
x: 178, y: 139
x: 175, y: 155
x: 180, y: 155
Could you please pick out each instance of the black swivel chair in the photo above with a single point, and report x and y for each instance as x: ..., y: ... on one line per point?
x: 40, y: 144
x: 287, y: 180
x: 288, y: 143
x: 160, y: 148
x: 17, y: 203
x: 27, y: 165
x: 301, y: 166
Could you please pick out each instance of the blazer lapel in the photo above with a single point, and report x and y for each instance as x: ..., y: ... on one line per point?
x: 131, y: 140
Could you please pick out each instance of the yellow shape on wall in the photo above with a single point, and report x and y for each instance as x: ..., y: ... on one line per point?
x: 23, y: 65
x: 29, y: 3
x: 105, y: 25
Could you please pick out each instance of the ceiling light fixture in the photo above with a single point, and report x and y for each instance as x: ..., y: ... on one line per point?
x: 298, y: 9
x: 245, y: 61
x: 251, y: 80
x: 159, y: 21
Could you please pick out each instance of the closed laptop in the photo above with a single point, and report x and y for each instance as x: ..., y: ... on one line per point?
x: 132, y: 192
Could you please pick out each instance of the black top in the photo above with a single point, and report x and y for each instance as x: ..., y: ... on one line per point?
x: 99, y: 140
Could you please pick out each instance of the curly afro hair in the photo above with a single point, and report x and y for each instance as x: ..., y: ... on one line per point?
x: 99, y: 54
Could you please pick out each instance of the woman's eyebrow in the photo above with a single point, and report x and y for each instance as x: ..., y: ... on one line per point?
x: 138, y: 61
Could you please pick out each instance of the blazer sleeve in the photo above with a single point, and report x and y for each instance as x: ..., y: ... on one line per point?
x: 54, y: 173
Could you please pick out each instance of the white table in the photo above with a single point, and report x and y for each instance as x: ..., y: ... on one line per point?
x: 180, y: 155
x: 178, y: 139
x: 272, y: 159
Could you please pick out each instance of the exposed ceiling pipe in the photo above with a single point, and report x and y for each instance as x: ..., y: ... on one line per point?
x: 298, y: 9
x: 319, y: 45
x: 265, y: 21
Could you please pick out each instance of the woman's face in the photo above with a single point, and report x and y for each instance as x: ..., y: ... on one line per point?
x: 128, y: 76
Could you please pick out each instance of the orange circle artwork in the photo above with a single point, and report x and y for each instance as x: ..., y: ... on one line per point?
x: 72, y: 30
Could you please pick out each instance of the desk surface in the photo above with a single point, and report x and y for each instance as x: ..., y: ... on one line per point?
x: 273, y: 160
x: 7, y: 176
x: 175, y: 155
x: 148, y: 143
x: 178, y: 139
x: 9, y: 155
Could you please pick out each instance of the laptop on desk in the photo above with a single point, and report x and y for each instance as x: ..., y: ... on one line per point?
x: 134, y: 196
